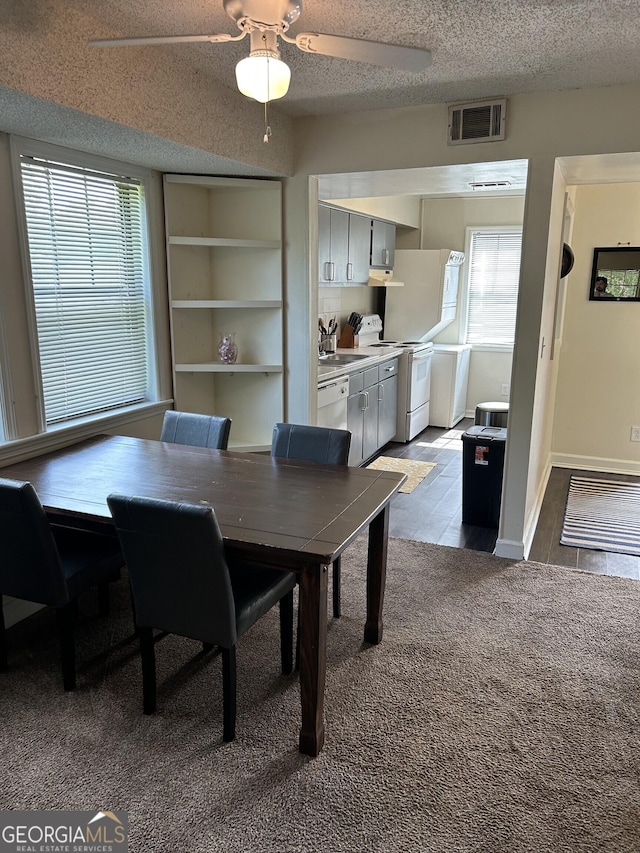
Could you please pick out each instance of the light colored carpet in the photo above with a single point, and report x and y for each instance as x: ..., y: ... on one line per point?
x: 416, y: 471
x: 500, y: 714
x: 603, y: 515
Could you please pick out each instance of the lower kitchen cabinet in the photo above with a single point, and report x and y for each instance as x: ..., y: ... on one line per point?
x: 371, y: 409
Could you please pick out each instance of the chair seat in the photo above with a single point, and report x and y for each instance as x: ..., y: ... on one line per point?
x: 255, y: 591
x: 87, y: 558
x: 51, y: 565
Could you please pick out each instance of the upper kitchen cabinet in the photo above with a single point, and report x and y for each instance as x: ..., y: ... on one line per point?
x: 343, y: 247
x: 383, y: 244
x: 224, y: 255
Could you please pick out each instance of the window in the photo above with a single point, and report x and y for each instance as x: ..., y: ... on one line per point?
x: 492, y: 293
x: 89, y: 274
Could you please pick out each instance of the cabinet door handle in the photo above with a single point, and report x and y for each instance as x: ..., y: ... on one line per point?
x: 365, y: 394
x: 329, y: 270
x: 349, y: 272
x: 385, y: 257
x: 380, y: 392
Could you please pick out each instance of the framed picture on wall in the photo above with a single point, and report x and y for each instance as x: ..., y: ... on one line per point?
x: 615, y: 274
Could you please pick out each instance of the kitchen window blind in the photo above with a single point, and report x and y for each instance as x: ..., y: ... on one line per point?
x: 88, y: 256
x: 494, y: 274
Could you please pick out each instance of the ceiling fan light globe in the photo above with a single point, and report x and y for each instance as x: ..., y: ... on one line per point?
x: 263, y: 77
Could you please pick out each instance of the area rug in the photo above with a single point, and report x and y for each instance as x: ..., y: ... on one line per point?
x: 415, y: 471
x: 603, y: 515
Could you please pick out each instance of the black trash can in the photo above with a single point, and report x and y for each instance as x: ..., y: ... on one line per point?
x: 482, y: 469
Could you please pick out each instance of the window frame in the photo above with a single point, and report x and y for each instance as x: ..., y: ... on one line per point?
x: 159, y: 375
x: 469, y: 233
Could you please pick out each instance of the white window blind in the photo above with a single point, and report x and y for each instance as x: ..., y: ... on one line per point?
x: 494, y: 273
x: 88, y: 256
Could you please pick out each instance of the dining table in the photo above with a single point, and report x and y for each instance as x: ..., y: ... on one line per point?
x: 273, y: 512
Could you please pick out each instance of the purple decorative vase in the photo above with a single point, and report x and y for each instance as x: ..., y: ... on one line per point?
x: 228, y: 349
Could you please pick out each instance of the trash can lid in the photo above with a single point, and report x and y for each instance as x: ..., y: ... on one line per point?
x: 493, y: 407
x: 486, y: 433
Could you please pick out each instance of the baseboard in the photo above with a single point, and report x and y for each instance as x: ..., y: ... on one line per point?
x: 509, y: 548
x: 596, y: 463
x: 534, y: 515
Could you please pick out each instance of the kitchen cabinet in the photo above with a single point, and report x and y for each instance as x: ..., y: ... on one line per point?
x: 387, y: 402
x: 343, y: 247
x: 371, y: 409
x: 383, y: 244
x: 224, y: 256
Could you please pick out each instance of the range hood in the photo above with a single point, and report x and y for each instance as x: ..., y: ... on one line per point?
x: 383, y: 278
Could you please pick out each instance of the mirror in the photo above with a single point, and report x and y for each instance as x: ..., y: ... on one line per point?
x: 615, y: 275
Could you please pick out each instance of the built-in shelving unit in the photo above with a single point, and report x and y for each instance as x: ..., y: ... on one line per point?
x: 224, y: 253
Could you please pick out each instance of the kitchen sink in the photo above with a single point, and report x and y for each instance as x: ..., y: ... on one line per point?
x: 342, y: 358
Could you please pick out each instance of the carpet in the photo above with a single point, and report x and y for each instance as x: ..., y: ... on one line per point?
x: 416, y: 471
x: 500, y: 714
x: 603, y: 515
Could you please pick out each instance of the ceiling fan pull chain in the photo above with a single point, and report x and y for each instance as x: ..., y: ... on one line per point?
x: 267, y: 126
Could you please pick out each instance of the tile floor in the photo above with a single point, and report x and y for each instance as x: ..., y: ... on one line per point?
x: 433, y: 511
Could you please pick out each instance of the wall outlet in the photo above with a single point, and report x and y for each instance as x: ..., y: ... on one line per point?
x: 635, y: 433
x: 505, y: 391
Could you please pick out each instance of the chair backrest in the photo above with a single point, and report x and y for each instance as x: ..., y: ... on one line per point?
x: 198, y: 430
x: 30, y: 567
x: 311, y: 443
x: 177, y: 569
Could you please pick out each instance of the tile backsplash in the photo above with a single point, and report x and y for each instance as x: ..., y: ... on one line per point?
x: 339, y: 302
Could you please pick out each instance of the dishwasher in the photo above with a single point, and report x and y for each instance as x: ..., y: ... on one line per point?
x: 332, y: 403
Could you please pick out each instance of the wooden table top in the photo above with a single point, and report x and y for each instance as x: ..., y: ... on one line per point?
x: 261, y: 502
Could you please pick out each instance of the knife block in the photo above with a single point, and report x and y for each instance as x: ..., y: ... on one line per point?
x: 348, y: 340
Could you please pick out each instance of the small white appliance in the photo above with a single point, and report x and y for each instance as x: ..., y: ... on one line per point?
x: 427, y: 302
x: 449, y: 379
x: 414, y: 387
x: 332, y: 403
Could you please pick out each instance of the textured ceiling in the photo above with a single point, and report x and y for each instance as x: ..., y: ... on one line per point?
x: 480, y: 48
x: 55, y: 87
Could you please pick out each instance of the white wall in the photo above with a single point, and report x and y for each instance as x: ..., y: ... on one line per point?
x: 403, y: 210
x: 598, y: 388
x: 444, y: 224
x: 540, y: 127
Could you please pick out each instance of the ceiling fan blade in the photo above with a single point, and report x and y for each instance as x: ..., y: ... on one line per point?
x: 144, y: 40
x: 361, y: 50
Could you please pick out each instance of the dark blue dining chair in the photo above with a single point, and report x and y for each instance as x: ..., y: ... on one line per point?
x: 314, y: 444
x: 197, y: 430
x: 181, y: 583
x: 51, y: 566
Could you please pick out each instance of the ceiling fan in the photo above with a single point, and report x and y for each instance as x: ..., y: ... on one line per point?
x: 263, y: 75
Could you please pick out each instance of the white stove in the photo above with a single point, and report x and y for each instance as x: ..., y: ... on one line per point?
x: 414, y: 387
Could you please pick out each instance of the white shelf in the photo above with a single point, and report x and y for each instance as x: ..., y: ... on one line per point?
x: 226, y: 303
x: 224, y: 253
x: 216, y: 367
x: 225, y: 242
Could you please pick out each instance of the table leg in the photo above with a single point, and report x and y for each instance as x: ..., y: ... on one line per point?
x: 313, y: 655
x: 376, y: 575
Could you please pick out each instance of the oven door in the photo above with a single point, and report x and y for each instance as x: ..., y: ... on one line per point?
x: 419, y: 386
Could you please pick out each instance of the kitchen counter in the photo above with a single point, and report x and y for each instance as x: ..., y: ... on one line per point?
x: 372, y: 355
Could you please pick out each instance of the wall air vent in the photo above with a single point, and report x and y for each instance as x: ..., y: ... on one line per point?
x: 480, y: 121
x: 489, y: 185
